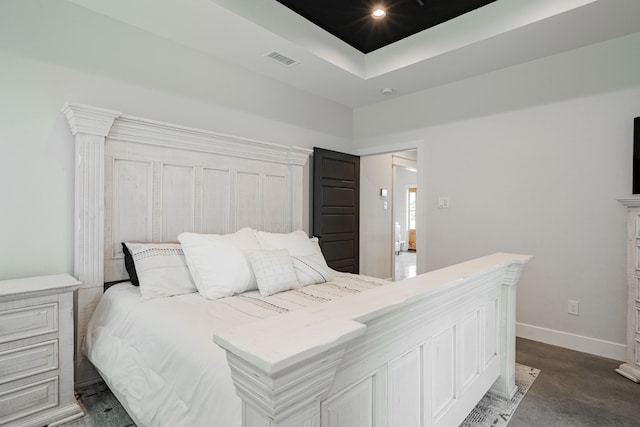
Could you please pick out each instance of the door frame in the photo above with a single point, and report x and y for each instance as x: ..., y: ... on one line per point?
x: 421, y: 220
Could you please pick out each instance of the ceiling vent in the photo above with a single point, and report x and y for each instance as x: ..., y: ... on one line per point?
x: 281, y: 59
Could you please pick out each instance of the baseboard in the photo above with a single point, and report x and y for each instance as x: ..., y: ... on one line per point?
x: 581, y: 343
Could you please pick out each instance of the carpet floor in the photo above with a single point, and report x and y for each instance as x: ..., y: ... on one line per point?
x: 102, y: 409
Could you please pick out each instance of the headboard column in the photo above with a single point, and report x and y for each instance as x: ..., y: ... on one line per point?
x: 90, y: 127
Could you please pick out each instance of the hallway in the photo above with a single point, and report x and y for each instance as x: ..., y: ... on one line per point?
x: 405, y: 265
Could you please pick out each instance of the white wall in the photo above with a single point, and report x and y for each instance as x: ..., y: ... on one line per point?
x: 532, y: 158
x: 52, y: 52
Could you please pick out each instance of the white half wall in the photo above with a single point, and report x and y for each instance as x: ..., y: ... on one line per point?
x: 532, y: 158
x: 53, y: 52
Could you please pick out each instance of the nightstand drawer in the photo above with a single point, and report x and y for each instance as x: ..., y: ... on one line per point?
x: 29, y: 399
x: 30, y: 360
x: 29, y: 321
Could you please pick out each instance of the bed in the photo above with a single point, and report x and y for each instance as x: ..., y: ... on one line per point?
x: 181, y: 366
x: 421, y: 351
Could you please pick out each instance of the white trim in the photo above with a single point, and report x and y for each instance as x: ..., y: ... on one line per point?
x: 403, y: 162
x: 389, y: 148
x: 581, y: 343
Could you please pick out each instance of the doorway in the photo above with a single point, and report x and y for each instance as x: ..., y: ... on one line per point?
x: 405, y: 203
x: 379, y: 209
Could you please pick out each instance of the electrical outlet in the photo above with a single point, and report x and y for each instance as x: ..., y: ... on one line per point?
x: 443, y: 203
x: 573, y: 307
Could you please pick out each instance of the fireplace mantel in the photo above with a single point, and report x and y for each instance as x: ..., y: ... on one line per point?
x: 632, y: 201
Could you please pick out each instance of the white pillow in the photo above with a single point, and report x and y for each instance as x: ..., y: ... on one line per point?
x: 217, y: 262
x: 311, y: 269
x: 273, y: 269
x: 308, y: 260
x: 296, y: 242
x: 161, y: 269
x: 316, y: 244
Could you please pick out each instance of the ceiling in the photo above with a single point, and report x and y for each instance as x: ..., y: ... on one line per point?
x: 500, y: 34
x: 353, y: 23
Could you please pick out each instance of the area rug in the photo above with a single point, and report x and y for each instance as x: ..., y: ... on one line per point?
x: 496, y: 411
x: 102, y: 409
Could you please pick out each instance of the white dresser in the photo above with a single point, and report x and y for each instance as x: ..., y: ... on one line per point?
x: 36, y: 351
x: 631, y: 367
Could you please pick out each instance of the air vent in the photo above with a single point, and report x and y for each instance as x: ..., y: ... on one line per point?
x: 281, y: 59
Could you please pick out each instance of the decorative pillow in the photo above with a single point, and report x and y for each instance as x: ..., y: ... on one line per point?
x: 296, y: 242
x: 130, y: 266
x: 273, y: 269
x: 160, y: 269
x: 308, y: 260
x: 217, y: 262
x: 311, y: 269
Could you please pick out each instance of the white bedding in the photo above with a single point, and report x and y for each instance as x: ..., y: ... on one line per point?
x: 159, y: 358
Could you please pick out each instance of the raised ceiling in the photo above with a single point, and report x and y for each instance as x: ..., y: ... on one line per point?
x: 500, y: 34
x: 352, y: 21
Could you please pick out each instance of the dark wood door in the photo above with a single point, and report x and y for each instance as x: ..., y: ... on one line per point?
x: 336, y: 207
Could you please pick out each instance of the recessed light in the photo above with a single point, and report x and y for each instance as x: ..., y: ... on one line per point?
x: 378, y: 13
x: 386, y: 91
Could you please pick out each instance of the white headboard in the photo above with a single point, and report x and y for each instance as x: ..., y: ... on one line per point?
x: 139, y: 179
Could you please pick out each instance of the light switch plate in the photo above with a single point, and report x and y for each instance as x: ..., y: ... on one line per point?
x: 443, y: 203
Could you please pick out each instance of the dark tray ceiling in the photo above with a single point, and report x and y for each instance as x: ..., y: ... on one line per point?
x: 351, y: 20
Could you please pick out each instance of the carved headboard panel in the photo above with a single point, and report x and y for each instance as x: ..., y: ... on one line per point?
x: 140, y: 179
x: 162, y: 180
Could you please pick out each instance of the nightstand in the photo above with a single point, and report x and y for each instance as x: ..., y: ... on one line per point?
x: 36, y: 351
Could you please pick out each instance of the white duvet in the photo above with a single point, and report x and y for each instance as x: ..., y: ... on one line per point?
x: 159, y: 358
